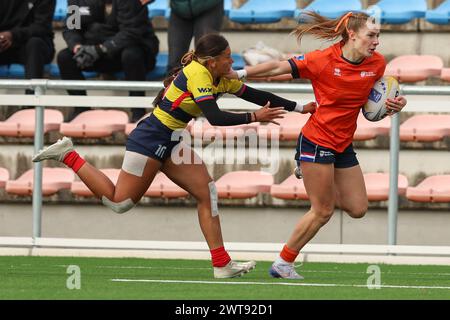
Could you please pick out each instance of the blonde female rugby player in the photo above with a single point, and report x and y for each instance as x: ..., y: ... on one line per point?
x: 342, y: 77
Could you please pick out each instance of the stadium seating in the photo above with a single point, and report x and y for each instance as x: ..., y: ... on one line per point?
x: 377, y: 186
x: 130, y: 127
x: 162, y: 60
x: 290, y: 189
x: 21, y: 123
x: 445, y: 74
x: 368, y: 130
x: 399, y: 11
x: 53, y: 70
x: 4, y: 176
x: 53, y: 180
x: 439, y: 15
x: 289, y: 128
x: 95, y: 124
x: 17, y: 71
x: 412, y: 68
x: 3, y: 71
x: 243, y: 184
x: 80, y: 189
x: 425, y: 128
x: 159, y: 72
x: 239, y: 62
x: 60, y: 10
x: 330, y: 8
x: 432, y: 189
x: 163, y: 187
x: 227, y: 6
x: 158, y: 8
x: 263, y: 11
x: 201, y: 128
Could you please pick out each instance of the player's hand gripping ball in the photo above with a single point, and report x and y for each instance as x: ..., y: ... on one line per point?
x: 375, y: 108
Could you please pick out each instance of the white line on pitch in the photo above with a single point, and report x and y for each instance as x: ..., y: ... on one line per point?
x: 276, y: 283
x: 302, y: 271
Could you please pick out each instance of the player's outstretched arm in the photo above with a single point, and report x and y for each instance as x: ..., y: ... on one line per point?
x: 266, y: 69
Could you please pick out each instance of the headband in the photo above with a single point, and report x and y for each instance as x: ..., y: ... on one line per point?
x: 344, y: 20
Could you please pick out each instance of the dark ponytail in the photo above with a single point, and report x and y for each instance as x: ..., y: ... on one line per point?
x: 208, y: 47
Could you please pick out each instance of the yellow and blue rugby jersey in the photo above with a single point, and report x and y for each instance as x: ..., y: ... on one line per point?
x: 193, y: 84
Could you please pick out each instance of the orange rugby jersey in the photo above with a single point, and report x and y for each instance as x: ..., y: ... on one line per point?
x: 341, y: 88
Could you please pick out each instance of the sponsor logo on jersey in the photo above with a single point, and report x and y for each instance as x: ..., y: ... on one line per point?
x: 204, y: 90
x: 367, y: 74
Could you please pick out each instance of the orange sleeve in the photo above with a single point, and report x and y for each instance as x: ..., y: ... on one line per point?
x: 307, y: 66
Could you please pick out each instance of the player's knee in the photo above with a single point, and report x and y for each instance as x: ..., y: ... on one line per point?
x: 118, y: 207
x: 323, y: 213
x: 357, y: 212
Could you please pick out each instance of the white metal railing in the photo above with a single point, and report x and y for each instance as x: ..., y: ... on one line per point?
x: 40, y: 100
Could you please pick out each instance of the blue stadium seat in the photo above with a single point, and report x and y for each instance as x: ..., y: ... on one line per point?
x: 439, y: 15
x: 399, y: 11
x: 227, y: 6
x: 158, y: 8
x: 16, y: 71
x: 3, y: 71
x: 239, y: 62
x: 53, y: 70
x: 263, y: 11
x: 330, y: 8
x: 60, y: 10
x: 159, y: 72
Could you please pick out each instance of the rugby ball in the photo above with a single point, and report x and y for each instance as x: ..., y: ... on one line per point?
x: 385, y: 88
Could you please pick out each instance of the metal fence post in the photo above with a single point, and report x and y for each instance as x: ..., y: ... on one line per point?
x: 39, y: 89
x: 393, y: 179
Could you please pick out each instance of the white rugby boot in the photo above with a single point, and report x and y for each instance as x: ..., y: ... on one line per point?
x: 56, y: 151
x: 233, y: 269
x: 283, y: 269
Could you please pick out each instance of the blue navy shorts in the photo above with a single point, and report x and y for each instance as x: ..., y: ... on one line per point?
x: 310, y: 152
x: 152, y: 139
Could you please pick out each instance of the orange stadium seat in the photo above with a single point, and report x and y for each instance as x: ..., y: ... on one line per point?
x: 289, y: 129
x: 432, y: 189
x: 243, y: 184
x: 445, y: 75
x: 290, y: 189
x: 412, y: 68
x: 4, y: 176
x: 202, y: 129
x: 163, y: 187
x: 21, y: 123
x: 53, y: 180
x: 377, y: 186
x: 95, y: 124
x: 427, y: 127
x: 367, y: 130
x: 130, y: 127
x: 80, y: 189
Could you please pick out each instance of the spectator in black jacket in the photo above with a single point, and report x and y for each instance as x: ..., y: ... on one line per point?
x: 123, y: 40
x: 26, y: 35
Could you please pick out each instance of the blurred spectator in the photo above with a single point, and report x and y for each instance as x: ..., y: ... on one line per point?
x: 113, y: 36
x: 188, y: 19
x: 191, y: 18
x: 26, y: 35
